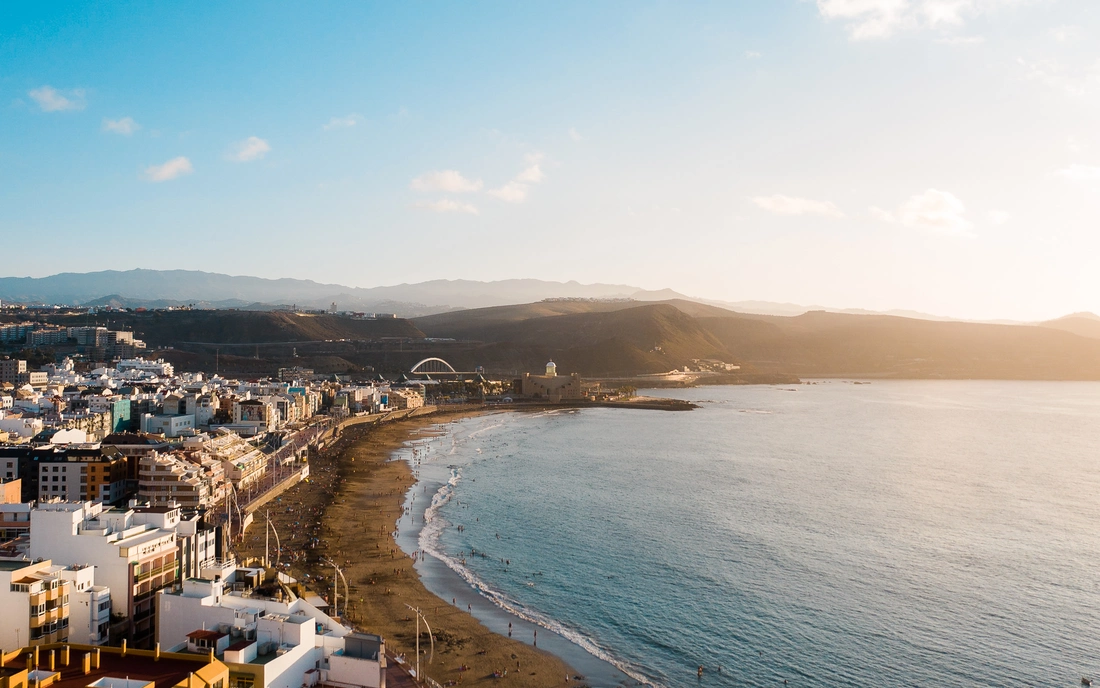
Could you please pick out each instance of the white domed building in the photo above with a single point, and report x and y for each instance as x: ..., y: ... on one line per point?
x: 551, y: 386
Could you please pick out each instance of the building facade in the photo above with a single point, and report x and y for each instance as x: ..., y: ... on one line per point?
x: 34, y: 603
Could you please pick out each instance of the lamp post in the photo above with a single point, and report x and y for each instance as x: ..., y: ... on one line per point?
x: 237, y: 505
x: 431, y: 657
x: 267, y: 542
x: 335, y: 594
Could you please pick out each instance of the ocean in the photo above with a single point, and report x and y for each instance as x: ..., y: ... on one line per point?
x: 927, y: 533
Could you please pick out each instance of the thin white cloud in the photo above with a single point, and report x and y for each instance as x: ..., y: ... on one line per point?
x: 344, y: 122
x: 50, y: 99
x: 1080, y: 174
x: 446, y: 205
x: 1075, y: 146
x: 752, y: 55
x: 450, y: 181
x: 124, y: 126
x: 998, y: 217
x: 574, y: 134
x: 934, y: 211
x: 961, y: 40
x: 516, y: 190
x: 879, y: 19
x: 881, y: 215
x: 170, y: 170
x: 512, y: 192
x: 788, y: 205
x: 1065, y: 34
x: 252, y: 148
x: 1055, y: 75
x: 532, y: 174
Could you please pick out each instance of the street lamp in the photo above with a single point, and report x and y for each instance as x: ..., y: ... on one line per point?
x: 267, y: 542
x: 431, y: 657
x: 335, y: 594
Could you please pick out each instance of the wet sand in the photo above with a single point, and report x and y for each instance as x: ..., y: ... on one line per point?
x: 348, y: 512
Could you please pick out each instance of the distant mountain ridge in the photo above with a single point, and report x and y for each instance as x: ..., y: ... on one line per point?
x: 1083, y: 324
x: 160, y: 288
x: 163, y: 288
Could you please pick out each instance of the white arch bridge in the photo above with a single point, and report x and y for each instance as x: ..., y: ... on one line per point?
x: 437, y: 367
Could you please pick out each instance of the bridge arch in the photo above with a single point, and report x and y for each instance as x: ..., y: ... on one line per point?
x: 432, y: 365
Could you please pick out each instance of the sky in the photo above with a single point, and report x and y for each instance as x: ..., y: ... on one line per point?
x: 934, y: 155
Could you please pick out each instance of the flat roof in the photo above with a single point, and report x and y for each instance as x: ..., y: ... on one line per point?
x: 206, y: 635
x: 147, y: 536
x: 165, y: 672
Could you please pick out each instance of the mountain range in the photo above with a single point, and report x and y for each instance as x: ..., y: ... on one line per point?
x: 166, y: 288
x: 621, y: 338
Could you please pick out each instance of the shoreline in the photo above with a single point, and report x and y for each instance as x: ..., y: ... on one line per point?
x: 450, y: 580
x: 349, y: 511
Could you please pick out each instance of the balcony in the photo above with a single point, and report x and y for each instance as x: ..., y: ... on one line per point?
x: 49, y: 617
x: 140, y: 577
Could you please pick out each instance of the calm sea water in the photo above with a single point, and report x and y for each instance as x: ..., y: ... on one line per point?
x: 909, y: 533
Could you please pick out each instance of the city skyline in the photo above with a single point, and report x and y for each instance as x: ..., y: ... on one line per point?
x: 933, y: 155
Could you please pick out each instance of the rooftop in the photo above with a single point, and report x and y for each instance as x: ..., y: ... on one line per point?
x: 169, y: 670
x: 206, y: 635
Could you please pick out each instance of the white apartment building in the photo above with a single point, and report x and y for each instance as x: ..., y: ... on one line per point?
x: 89, y: 607
x: 133, y: 558
x: 169, y: 479
x: 169, y: 426
x: 140, y: 365
x: 268, y: 643
x: 24, y: 428
x: 243, y: 464
x: 256, y: 413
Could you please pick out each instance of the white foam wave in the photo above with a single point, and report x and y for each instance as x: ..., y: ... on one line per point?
x: 429, y: 543
x: 485, y: 429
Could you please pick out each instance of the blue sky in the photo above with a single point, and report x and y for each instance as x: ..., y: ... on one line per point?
x: 938, y: 155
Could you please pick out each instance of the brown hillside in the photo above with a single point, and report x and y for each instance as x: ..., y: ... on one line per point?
x: 820, y: 343
x: 169, y: 328
x: 1083, y: 324
x: 638, y: 338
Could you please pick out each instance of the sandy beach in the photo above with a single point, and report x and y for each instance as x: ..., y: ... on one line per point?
x: 347, y: 513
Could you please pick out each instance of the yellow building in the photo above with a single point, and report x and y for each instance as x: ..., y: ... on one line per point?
x: 83, y: 666
x: 34, y: 603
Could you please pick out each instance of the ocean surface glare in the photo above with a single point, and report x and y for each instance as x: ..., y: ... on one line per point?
x: 935, y: 533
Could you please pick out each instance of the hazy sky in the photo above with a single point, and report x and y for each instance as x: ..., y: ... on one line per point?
x: 939, y: 155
